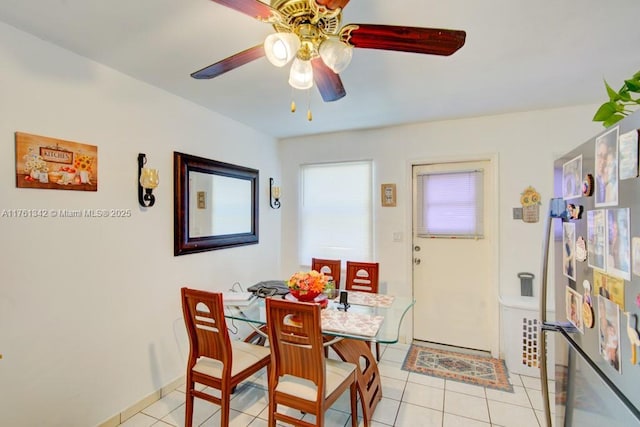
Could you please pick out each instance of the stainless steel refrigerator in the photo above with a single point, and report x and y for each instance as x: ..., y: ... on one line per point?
x: 591, y: 273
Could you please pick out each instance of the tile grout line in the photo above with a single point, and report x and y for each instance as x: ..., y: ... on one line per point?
x: 486, y: 399
x: 444, y: 399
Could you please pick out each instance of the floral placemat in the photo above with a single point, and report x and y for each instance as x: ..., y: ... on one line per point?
x: 369, y: 299
x: 351, y: 322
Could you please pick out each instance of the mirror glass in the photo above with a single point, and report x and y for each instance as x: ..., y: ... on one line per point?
x: 216, y: 204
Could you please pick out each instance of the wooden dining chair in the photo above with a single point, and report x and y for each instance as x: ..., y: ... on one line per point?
x: 363, y: 277
x: 330, y: 268
x: 214, y: 359
x: 300, y: 376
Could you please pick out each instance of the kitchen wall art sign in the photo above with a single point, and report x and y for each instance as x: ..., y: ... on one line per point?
x: 55, y: 164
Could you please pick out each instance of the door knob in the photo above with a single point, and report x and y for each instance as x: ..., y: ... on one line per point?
x: 416, y: 248
x: 416, y: 261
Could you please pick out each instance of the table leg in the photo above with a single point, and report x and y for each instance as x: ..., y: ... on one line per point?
x: 258, y: 336
x: 369, y: 386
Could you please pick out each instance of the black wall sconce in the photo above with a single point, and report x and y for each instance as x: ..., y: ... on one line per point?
x: 147, y: 181
x: 274, y: 195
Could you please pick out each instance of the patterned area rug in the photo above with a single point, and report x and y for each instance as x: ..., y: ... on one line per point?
x: 471, y: 369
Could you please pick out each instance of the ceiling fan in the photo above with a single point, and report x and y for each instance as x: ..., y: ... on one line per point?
x: 309, y: 34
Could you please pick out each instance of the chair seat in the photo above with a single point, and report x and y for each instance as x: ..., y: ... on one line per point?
x: 337, y: 371
x: 244, y: 355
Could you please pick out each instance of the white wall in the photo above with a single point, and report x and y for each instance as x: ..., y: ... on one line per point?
x: 524, y: 143
x: 90, y: 315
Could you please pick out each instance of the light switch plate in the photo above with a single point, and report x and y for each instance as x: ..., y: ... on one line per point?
x: 517, y: 213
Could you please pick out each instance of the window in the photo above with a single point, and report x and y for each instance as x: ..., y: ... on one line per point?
x: 336, y: 212
x: 451, y: 204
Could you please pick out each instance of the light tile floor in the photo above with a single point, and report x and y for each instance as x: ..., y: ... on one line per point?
x: 409, y: 400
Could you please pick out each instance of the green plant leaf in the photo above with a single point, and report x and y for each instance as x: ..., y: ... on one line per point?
x: 613, y: 95
x: 620, y: 103
x: 628, y: 99
x: 625, y: 96
x: 620, y: 107
x: 612, y: 120
x: 633, y: 85
x: 605, y: 111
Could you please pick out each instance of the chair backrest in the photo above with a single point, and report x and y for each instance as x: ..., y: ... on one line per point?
x: 203, y: 313
x: 330, y: 268
x: 296, y: 341
x: 362, y: 276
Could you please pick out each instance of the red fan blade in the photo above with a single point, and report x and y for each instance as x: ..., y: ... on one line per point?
x: 230, y: 63
x: 329, y: 83
x: 432, y: 41
x: 332, y: 4
x: 253, y: 8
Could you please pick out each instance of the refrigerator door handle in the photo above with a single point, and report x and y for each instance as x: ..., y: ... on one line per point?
x: 556, y: 210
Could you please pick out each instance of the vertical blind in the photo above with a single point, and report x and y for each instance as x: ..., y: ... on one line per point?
x: 450, y: 204
x: 336, y: 212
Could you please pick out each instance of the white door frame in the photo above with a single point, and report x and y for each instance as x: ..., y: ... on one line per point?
x: 494, y: 274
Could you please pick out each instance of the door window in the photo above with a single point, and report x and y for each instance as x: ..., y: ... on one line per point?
x: 450, y: 204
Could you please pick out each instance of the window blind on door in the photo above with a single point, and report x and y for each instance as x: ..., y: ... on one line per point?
x: 450, y: 204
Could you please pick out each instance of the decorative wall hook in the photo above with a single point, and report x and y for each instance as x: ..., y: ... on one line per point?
x: 147, y: 181
x: 274, y: 195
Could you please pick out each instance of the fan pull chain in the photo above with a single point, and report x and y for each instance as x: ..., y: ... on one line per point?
x: 293, y: 105
x: 293, y: 102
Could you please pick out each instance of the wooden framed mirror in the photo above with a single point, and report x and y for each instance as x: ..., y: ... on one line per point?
x: 215, y: 204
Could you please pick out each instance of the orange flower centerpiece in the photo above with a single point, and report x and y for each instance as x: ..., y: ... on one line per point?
x: 306, y: 286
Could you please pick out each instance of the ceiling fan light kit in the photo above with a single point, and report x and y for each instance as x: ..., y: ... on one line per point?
x: 308, y: 32
x: 301, y: 74
x: 336, y: 55
x: 281, y: 48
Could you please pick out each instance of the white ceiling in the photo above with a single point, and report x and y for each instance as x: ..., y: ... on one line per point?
x: 519, y: 55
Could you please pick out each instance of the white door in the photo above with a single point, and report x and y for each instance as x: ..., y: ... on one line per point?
x: 452, y: 277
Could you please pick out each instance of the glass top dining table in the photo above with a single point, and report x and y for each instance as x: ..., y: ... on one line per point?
x: 391, y: 310
x: 349, y: 333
